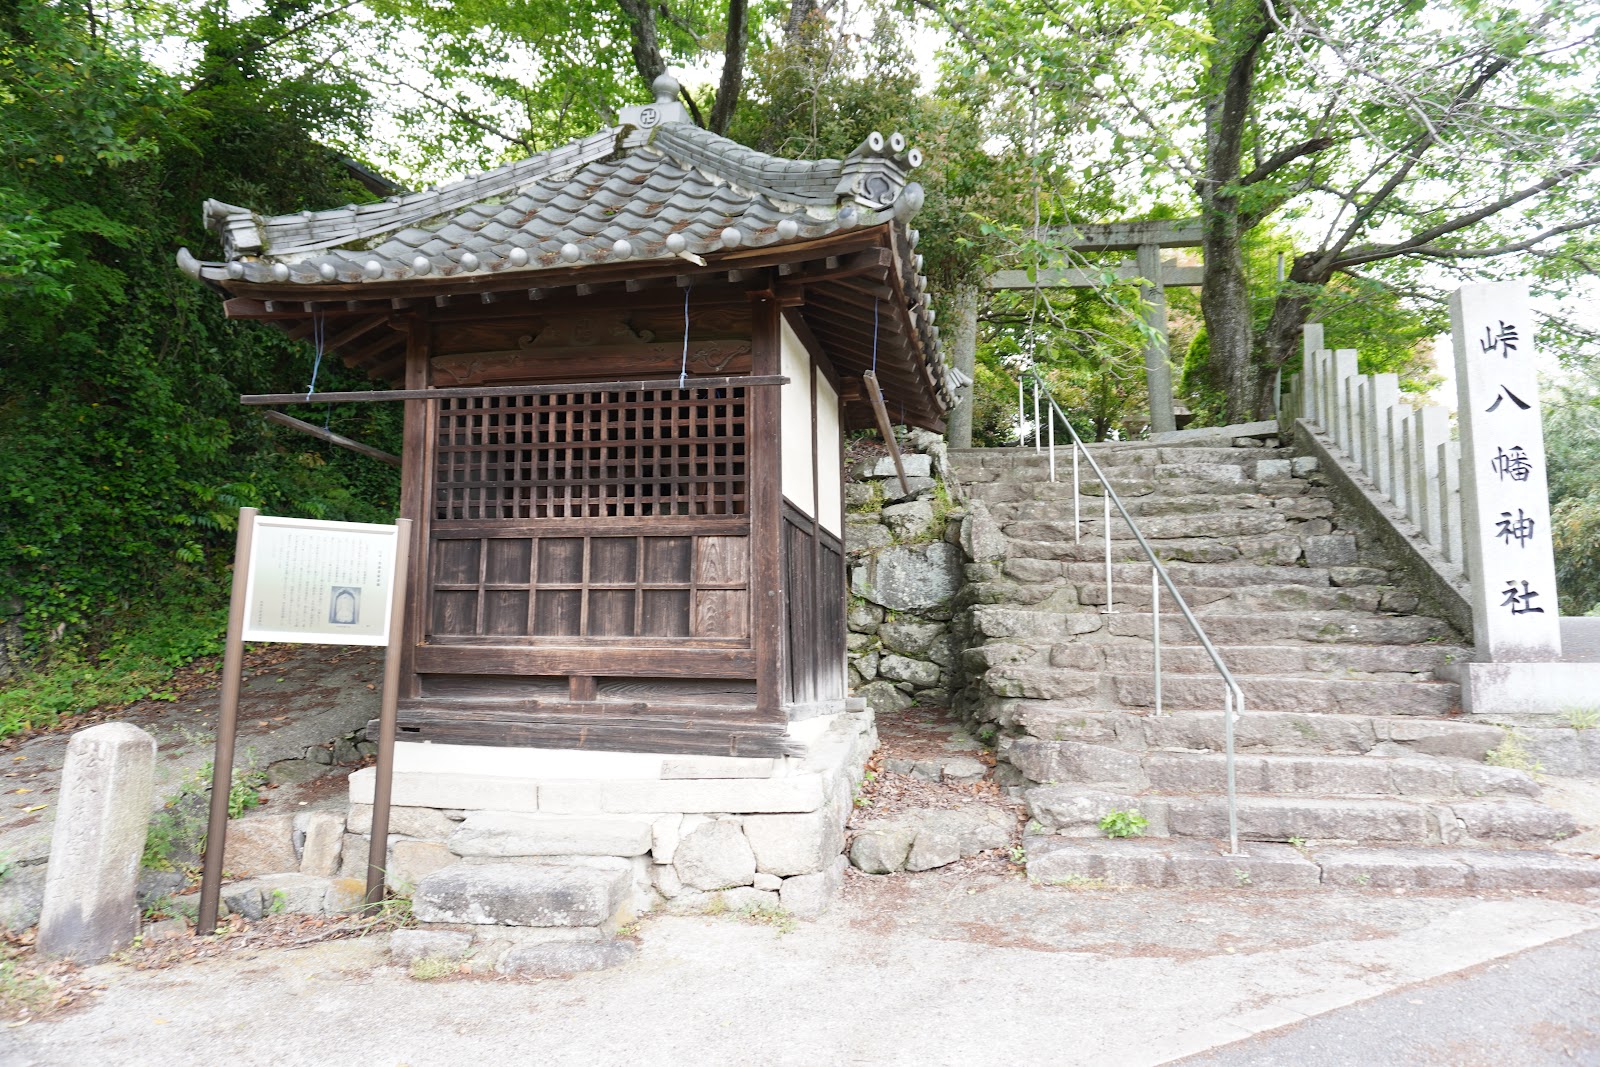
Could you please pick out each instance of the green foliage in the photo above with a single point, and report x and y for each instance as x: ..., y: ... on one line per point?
x: 177, y: 835
x: 1123, y: 824
x: 1572, y: 448
x: 124, y: 454
x: 1512, y: 752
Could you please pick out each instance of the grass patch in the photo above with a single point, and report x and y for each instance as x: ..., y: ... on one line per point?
x: 1581, y: 718
x: 24, y: 991
x: 134, y: 663
x: 177, y: 834
x: 779, y: 918
x: 1513, y: 754
x: 431, y: 968
x: 1079, y: 881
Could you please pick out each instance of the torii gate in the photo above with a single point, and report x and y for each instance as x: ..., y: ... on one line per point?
x: 1145, y: 240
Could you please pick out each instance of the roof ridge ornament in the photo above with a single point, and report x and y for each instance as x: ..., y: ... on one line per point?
x: 666, y: 107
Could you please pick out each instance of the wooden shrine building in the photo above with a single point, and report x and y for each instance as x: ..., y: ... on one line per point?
x: 627, y: 364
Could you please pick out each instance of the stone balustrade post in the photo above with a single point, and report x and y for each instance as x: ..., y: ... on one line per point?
x: 1384, y: 394
x: 1450, y: 496
x: 1432, y: 430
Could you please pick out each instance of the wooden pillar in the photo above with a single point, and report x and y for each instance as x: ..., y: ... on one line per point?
x: 766, y: 509
x: 416, y: 475
x: 1157, y: 366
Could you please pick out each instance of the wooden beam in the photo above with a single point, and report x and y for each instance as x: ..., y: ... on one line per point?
x: 874, y: 394
x: 502, y: 390
x: 332, y: 438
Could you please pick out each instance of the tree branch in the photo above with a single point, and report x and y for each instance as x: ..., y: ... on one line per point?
x: 1284, y: 156
x: 1370, y: 253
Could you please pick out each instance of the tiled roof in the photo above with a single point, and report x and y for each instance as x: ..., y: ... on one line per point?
x: 624, y: 194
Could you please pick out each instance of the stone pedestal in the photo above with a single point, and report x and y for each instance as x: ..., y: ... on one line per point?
x: 106, y: 793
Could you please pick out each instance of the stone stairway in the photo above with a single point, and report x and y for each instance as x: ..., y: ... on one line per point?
x: 1351, y: 747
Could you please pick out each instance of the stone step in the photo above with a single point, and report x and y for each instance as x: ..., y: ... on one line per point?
x: 1490, y: 822
x: 1178, y: 863
x: 1254, y: 731
x: 1116, y: 455
x: 1284, y: 548
x: 1217, y: 524
x: 1190, y: 575
x: 1393, y: 662
x: 1146, y: 508
x: 1193, y: 772
x: 1076, y: 810
x: 1103, y: 690
x: 1031, y: 582
x: 1322, y: 627
x: 514, y: 894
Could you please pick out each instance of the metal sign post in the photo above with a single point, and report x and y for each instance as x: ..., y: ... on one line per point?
x: 309, y: 582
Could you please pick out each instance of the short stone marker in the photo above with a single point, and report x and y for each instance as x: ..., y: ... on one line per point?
x: 107, y: 786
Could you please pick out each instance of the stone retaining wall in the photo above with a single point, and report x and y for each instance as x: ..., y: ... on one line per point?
x: 906, y: 571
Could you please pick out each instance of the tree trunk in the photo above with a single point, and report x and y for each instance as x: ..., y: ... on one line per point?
x: 1225, y: 294
x: 963, y: 338
x: 1280, y: 341
x: 732, y: 82
x: 646, y: 43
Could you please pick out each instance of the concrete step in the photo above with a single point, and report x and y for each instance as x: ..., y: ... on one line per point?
x: 1254, y: 731
x: 1104, y: 690
x: 1178, y: 863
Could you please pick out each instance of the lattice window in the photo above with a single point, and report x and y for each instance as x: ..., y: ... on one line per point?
x: 633, y: 453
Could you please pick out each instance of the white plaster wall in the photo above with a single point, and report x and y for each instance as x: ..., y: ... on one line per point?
x: 830, y: 440
x: 796, y: 406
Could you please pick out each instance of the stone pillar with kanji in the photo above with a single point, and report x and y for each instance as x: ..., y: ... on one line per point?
x: 1504, y: 485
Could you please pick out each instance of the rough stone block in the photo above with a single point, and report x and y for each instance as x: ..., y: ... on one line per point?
x: 1436, y: 737
x: 1075, y: 810
x: 862, y: 536
x: 408, y: 946
x: 882, y: 850
x: 1303, y: 466
x: 428, y: 824
x: 1400, y: 868
x: 807, y: 896
x: 903, y: 669
x: 22, y: 898
x: 1513, y: 820
x: 882, y: 697
x: 555, y: 960
x: 495, y: 833
x: 787, y: 845
x: 767, y: 883
x: 748, y: 898
x: 1053, y: 859
x: 912, y: 639
x: 931, y: 850
x: 962, y: 770
x: 509, y: 894
x: 916, y: 466
x: 976, y: 828
x: 107, y: 787
x: 321, y: 837
x: 278, y: 894
x: 795, y: 792
x: 1311, y: 819
x: 261, y: 844
x: 908, y: 521
x: 412, y: 861
x: 344, y: 895
x: 1269, y: 469
x: 1072, y: 761
x: 714, y: 856
x: 1478, y: 779
x: 1330, y: 550
x: 910, y: 577
x: 665, y: 832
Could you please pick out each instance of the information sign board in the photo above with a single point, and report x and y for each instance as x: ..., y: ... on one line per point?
x: 318, y: 582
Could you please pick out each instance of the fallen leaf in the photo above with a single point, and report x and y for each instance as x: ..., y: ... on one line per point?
x: 24, y: 790
x: 37, y: 807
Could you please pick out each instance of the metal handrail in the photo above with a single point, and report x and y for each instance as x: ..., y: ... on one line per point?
x: 1233, y: 695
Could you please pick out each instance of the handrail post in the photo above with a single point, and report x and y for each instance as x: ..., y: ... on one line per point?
x: 1155, y: 628
x: 1050, y: 418
x: 1036, y: 413
x: 1105, y: 487
x: 1077, y: 520
x: 1233, y: 802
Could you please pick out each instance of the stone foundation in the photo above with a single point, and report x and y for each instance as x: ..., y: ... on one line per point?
x: 558, y: 842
